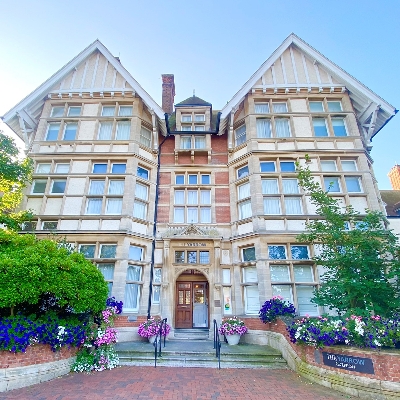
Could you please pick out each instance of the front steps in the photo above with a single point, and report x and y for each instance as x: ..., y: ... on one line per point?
x: 200, y: 353
x: 192, y: 334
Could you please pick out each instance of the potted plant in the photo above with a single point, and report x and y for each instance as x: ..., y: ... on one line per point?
x: 150, y: 329
x: 276, y: 307
x: 232, y: 328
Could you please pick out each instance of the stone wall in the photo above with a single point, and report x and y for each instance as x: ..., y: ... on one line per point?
x: 38, y: 364
x: 384, y: 383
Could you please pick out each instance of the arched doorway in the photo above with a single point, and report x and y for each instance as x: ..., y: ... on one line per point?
x: 192, y: 300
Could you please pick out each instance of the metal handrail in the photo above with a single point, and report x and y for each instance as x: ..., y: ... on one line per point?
x: 217, y: 344
x: 158, y: 341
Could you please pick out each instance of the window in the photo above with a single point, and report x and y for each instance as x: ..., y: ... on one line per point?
x: 244, y: 209
x: 96, y: 187
x: 199, y: 117
x: 140, y: 202
x: 299, y: 252
x: 263, y: 128
x: 93, y: 206
x: 287, y: 166
x: 186, y: 128
x: 282, y: 127
x: 117, y: 168
x: 62, y: 168
x: 125, y: 111
x: 179, y: 257
x: 132, y: 287
x: 244, y: 191
x: 58, y: 186
x: 294, y: 282
x: 193, y: 142
x: 142, y: 173
x: 251, y: 295
x: 199, y: 128
x: 332, y: 184
x: 267, y: 166
x: 205, y: 179
x: 179, y: 179
x: 277, y: 252
x: 123, y: 130
x: 52, y: 131
x: 349, y: 165
x: 108, y: 250
x: 116, y: 187
x: 186, y: 118
x: 39, y: 186
x: 88, y: 250
x: 108, y: 111
x: 157, y: 278
x: 70, y: 131
x: 194, y: 205
x: 334, y: 106
x: 279, y: 107
x: 261, y: 108
x: 192, y: 180
x: 135, y: 253
x: 320, y: 128
x: 57, y: 112
x: 339, y: 127
x: 114, y: 206
x: 105, y: 131
x: 145, y: 136
x: 328, y: 165
x: 242, y: 172
x: 272, y: 204
x: 28, y: 226
x: 107, y: 270
x: 49, y: 225
x: 249, y: 254
x: 99, y: 168
x: 353, y: 184
x: 156, y: 293
x: 74, y: 111
x: 316, y: 106
x: 43, y: 168
x: 240, y: 135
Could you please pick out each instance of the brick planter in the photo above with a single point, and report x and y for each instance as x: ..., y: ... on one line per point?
x: 38, y: 364
x: 383, y: 383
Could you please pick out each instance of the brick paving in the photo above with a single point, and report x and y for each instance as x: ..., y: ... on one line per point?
x: 170, y: 383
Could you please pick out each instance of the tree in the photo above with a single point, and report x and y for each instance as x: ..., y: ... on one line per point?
x: 359, y: 256
x: 31, y: 268
x: 14, y: 174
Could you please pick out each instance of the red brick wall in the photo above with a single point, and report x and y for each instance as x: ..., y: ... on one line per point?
x: 122, y: 321
x: 221, y: 178
x: 165, y: 178
x: 184, y: 158
x: 386, y: 362
x: 222, y: 214
x: 36, y: 354
x: 200, y: 159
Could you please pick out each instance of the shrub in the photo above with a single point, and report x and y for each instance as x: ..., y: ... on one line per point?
x: 276, y: 307
x: 365, y: 332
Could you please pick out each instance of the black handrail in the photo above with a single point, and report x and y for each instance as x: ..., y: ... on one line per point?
x: 217, y: 344
x: 158, y: 340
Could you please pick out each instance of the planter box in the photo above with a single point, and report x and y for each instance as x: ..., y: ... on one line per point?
x: 38, y: 364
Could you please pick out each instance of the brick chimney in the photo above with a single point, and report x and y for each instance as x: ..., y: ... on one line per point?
x: 168, y: 93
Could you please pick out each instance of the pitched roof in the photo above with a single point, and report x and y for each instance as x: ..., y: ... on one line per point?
x: 367, y: 104
x: 193, y: 101
x: 25, y: 115
x: 391, y: 198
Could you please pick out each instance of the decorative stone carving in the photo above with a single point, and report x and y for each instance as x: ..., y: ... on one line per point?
x: 191, y: 230
x: 204, y: 270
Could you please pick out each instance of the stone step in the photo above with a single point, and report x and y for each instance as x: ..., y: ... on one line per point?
x: 192, y: 334
x: 200, y: 353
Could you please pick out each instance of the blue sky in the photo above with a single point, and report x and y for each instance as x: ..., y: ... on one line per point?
x: 210, y: 46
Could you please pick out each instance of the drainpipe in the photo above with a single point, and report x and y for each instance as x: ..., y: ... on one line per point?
x: 153, y: 246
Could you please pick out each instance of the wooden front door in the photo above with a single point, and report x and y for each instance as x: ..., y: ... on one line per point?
x: 183, y: 310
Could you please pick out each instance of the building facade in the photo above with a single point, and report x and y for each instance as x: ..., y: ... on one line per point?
x: 193, y: 215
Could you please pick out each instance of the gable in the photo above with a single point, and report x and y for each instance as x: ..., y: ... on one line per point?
x: 295, y: 66
x: 93, y: 72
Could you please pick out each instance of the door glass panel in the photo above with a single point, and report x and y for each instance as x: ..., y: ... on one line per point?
x: 199, y: 296
x: 187, y: 297
x: 180, y: 297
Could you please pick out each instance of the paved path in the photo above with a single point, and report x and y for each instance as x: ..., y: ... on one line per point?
x: 169, y: 383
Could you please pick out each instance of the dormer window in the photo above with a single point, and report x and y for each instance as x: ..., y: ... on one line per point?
x: 186, y: 127
x: 193, y: 142
x: 186, y: 118
x: 199, y: 128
